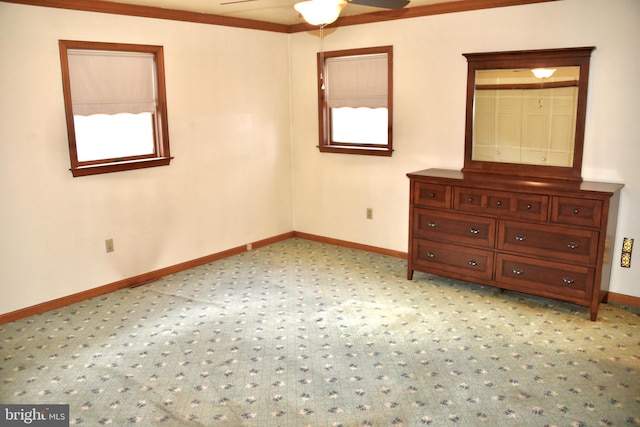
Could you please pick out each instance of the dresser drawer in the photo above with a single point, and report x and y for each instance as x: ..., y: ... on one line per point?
x: 432, y: 195
x: 502, y: 203
x: 574, y: 211
x: 567, y: 244
x: 545, y: 278
x: 460, y: 260
x: 454, y: 227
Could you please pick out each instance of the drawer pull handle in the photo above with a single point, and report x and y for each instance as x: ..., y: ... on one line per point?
x: 499, y: 203
x: 474, y: 231
x: 431, y: 224
x: 517, y: 272
x: 572, y: 245
x: 431, y: 255
x: 432, y: 195
x: 568, y: 281
x: 576, y: 211
x: 529, y: 206
x: 520, y: 238
x: 472, y: 263
x: 470, y: 199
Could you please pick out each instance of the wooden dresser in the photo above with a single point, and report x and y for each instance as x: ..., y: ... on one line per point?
x: 549, y: 238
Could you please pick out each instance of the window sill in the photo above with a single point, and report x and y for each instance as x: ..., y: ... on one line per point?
x: 119, y: 166
x: 364, y: 151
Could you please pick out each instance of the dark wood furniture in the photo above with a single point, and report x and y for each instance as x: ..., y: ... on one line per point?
x: 551, y: 238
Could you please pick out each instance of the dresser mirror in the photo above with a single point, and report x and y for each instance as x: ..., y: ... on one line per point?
x: 526, y: 112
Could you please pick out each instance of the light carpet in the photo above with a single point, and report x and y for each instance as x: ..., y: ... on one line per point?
x: 301, y: 333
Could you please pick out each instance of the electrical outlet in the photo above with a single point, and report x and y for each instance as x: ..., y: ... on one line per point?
x: 108, y: 244
x: 369, y: 213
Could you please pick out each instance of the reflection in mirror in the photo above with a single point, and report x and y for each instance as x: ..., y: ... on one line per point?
x: 526, y: 112
x: 522, y: 118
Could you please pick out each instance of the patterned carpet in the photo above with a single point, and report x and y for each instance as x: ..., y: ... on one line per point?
x: 301, y: 333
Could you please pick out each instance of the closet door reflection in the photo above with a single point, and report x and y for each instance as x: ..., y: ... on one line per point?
x: 526, y: 126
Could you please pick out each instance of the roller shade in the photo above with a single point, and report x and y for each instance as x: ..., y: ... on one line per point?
x: 357, y: 81
x: 108, y: 82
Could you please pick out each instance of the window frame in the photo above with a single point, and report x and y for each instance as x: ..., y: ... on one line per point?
x: 161, y: 155
x: 326, y: 145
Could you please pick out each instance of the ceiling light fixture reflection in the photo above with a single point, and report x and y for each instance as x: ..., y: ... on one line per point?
x: 543, y: 73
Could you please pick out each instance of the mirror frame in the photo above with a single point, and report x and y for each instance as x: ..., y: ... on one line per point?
x: 546, y: 58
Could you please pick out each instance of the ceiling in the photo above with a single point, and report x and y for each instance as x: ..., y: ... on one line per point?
x: 269, y: 15
x: 273, y: 11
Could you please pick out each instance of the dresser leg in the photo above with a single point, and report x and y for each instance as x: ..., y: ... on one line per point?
x: 593, y: 312
x: 410, y: 274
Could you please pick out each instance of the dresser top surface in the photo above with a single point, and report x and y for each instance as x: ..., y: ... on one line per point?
x: 505, y: 182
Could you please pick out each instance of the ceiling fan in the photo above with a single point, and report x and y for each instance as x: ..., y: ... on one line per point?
x: 324, y: 12
x: 384, y: 4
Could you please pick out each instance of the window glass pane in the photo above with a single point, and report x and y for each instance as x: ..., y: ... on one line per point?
x: 359, y: 125
x: 106, y: 136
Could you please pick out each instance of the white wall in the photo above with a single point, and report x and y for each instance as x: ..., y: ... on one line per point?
x: 229, y: 184
x: 332, y: 191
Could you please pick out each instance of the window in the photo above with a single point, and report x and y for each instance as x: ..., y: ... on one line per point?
x: 115, y: 106
x: 355, y: 101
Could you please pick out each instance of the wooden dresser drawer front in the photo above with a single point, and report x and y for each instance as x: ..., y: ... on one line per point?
x: 545, y: 237
x: 430, y: 255
x: 432, y: 195
x: 568, y: 244
x: 454, y: 227
x: 502, y: 203
x: 574, y: 211
x: 545, y: 278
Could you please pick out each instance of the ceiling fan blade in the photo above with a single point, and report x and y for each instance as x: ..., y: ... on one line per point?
x: 225, y: 3
x: 384, y: 4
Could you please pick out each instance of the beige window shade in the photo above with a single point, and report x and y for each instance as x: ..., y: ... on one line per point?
x: 357, y: 81
x: 107, y: 82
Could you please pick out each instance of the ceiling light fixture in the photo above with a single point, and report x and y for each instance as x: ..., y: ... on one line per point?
x: 320, y: 12
x: 543, y: 73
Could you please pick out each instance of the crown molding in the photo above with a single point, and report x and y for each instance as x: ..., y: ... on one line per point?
x: 114, y: 8
x: 418, y: 11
